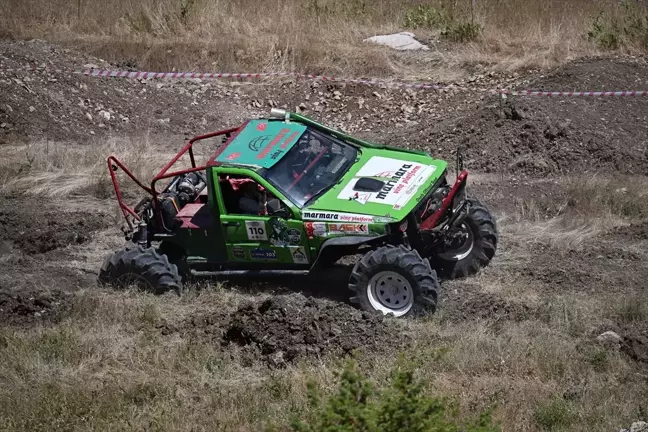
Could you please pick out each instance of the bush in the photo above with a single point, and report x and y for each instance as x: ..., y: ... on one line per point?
x: 358, y: 406
x: 625, y: 26
x: 554, y: 415
x: 452, y: 27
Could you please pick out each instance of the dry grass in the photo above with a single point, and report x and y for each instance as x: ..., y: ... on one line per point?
x: 106, y: 367
x: 309, y: 35
x: 59, y: 169
x: 590, y: 206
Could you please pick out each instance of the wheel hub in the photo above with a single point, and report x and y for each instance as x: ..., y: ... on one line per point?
x: 390, y: 292
x: 458, y: 243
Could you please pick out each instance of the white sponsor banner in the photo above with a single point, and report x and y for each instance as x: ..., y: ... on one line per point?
x: 335, y: 216
x: 402, y: 179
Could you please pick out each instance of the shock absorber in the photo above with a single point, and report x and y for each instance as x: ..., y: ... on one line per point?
x: 141, y: 235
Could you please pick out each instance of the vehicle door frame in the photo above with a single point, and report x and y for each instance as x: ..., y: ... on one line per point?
x: 295, y: 217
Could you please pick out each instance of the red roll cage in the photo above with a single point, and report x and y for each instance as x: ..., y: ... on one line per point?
x: 114, y: 164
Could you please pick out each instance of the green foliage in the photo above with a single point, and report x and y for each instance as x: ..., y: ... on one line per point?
x: 426, y: 16
x: 338, y: 8
x: 553, y: 416
x: 599, y: 360
x: 454, y: 27
x: 359, y: 406
x: 628, y: 25
x: 462, y: 31
x: 186, y: 7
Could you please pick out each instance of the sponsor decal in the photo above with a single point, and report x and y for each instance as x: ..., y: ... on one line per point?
x: 280, y: 136
x: 294, y: 236
x: 256, y: 230
x: 263, y: 254
x: 348, y: 228
x: 288, y: 140
x: 238, y: 252
x: 319, y: 229
x: 333, y: 216
x: 401, y: 180
x: 384, y: 219
x: 262, y: 126
x: 278, y: 232
x: 315, y: 229
x: 257, y: 142
x: 299, y: 255
x: 233, y: 156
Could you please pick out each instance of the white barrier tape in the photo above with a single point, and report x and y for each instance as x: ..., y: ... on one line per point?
x: 102, y: 73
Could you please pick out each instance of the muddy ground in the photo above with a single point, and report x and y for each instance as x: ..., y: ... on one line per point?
x: 49, y: 249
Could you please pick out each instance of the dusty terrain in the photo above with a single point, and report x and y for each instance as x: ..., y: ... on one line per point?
x: 566, y: 178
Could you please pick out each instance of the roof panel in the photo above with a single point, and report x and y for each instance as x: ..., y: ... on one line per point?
x: 261, y: 143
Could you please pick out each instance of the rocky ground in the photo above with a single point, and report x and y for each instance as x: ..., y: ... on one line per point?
x: 572, y: 258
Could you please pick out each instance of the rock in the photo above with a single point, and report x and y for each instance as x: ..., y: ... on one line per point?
x: 403, y: 41
x: 90, y: 66
x: 105, y: 115
x: 32, y: 109
x: 88, y: 116
x: 640, y: 426
x: 608, y: 336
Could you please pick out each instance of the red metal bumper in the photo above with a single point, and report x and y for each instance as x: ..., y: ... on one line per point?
x: 434, y: 219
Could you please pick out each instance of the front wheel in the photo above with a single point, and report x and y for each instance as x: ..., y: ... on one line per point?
x: 394, y: 280
x: 470, y: 246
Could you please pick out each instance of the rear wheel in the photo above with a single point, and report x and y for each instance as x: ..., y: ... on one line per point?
x: 142, y: 267
x: 394, y: 280
x: 470, y: 246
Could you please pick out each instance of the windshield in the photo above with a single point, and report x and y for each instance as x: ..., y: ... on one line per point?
x: 314, y: 164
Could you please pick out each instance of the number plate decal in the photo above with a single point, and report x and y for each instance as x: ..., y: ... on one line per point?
x: 256, y: 230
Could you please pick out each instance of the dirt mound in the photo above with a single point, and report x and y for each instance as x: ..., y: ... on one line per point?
x: 286, y: 328
x: 468, y: 306
x: 539, y: 135
x: 636, y: 346
x: 54, y: 103
x: 35, y: 232
x: 634, y: 232
x: 24, y: 308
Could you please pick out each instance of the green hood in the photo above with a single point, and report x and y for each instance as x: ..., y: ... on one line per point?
x: 407, y: 177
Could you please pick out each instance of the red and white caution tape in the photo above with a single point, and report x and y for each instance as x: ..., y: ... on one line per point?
x: 103, y: 73
x: 576, y: 94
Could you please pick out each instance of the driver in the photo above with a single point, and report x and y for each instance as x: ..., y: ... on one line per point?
x: 250, y: 202
x: 253, y: 202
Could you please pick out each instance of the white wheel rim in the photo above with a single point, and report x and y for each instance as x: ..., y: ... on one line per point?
x: 390, y: 292
x: 461, y: 255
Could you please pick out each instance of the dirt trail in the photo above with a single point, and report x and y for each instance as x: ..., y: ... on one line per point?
x: 531, y: 137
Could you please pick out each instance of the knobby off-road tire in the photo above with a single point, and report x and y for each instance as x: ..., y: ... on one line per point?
x: 396, y: 280
x: 468, y: 259
x: 143, y: 267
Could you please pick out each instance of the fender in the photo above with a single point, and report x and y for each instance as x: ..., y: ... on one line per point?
x: 331, y: 247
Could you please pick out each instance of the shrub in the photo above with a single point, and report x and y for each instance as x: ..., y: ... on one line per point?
x: 625, y: 26
x: 553, y: 416
x: 452, y: 27
x: 358, y: 406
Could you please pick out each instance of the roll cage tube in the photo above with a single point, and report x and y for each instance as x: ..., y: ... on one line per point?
x: 114, y: 164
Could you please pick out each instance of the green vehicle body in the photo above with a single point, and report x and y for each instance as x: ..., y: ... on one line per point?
x: 379, y: 196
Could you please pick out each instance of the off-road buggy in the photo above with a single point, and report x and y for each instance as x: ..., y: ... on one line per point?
x: 321, y: 195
